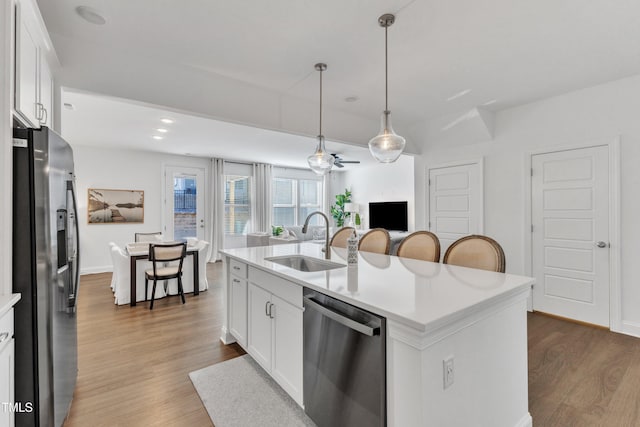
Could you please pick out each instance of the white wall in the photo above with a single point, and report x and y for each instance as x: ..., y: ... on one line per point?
x: 6, y: 144
x: 597, y: 114
x: 378, y: 183
x: 118, y: 169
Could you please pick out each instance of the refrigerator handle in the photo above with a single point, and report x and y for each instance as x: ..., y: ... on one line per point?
x: 73, y: 298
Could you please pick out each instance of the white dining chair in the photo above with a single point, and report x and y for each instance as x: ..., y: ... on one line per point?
x: 113, y: 263
x: 187, y: 271
x: 148, y: 237
x: 122, y: 286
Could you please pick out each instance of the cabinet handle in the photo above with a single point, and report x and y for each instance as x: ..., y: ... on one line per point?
x: 38, y: 111
x: 235, y: 267
x: 271, y: 311
x: 236, y: 281
x: 4, y: 336
x: 266, y: 309
x: 45, y: 115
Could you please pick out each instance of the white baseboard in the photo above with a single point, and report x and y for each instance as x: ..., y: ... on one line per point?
x: 99, y: 269
x: 526, y: 421
x: 631, y: 328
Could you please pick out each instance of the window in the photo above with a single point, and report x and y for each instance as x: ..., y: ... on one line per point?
x: 184, y: 206
x: 294, y: 199
x: 237, y: 204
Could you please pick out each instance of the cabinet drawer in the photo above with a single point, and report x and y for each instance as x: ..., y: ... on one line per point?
x: 238, y: 268
x: 285, y: 289
x: 6, y: 325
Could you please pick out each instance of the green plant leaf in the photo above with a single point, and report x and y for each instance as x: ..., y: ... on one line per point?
x: 337, y: 210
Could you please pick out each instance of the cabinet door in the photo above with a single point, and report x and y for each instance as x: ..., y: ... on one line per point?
x: 238, y: 317
x: 7, y: 383
x: 46, y: 93
x: 287, y: 347
x: 259, y: 334
x: 26, y: 71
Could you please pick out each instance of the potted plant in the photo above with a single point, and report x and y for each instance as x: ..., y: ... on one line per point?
x: 337, y: 210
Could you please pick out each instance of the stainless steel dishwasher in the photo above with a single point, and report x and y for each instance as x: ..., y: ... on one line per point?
x: 344, y: 363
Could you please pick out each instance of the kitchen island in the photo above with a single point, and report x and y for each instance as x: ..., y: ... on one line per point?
x: 456, y: 338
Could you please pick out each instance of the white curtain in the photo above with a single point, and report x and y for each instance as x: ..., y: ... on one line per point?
x: 216, y: 210
x: 261, y: 208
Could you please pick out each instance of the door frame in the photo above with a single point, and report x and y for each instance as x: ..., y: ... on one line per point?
x: 480, y: 162
x: 615, y: 294
x: 165, y: 168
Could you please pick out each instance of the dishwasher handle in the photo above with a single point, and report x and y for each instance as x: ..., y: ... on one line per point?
x: 340, y: 318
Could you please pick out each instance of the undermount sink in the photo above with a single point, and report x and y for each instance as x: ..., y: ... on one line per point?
x: 304, y: 263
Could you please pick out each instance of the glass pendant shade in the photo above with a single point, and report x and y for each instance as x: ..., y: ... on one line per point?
x: 321, y: 162
x: 387, y: 146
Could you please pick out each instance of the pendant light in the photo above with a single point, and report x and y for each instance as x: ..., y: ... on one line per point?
x: 387, y: 146
x: 321, y: 162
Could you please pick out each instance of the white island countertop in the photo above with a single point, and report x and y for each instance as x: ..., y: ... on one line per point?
x: 419, y: 294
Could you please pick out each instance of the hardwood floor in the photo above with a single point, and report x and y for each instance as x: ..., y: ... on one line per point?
x: 581, y: 375
x: 134, y: 363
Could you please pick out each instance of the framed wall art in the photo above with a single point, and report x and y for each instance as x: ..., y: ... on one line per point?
x: 115, y: 206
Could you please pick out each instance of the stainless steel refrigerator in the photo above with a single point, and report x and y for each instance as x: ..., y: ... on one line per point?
x: 46, y: 273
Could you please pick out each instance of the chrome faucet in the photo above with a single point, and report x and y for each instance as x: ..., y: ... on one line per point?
x: 327, y: 251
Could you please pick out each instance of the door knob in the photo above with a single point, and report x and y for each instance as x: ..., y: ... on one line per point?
x: 601, y: 244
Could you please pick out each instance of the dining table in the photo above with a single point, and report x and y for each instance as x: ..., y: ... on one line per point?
x: 140, y: 251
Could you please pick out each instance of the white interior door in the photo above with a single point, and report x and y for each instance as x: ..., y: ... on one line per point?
x: 184, y: 203
x: 455, y: 202
x: 570, y: 234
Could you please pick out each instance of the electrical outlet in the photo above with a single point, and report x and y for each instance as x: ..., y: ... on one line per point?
x: 447, y: 372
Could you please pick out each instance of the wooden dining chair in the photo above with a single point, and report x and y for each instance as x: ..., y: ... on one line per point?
x: 476, y: 251
x: 339, y: 239
x: 161, y: 257
x: 148, y: 237
x: 422, y: 245
x: 376, y: 240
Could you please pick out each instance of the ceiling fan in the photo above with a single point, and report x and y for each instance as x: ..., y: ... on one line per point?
x: 339, y: 163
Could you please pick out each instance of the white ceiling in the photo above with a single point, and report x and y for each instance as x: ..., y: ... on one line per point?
x: 252, y: 61
x: 101, y: 121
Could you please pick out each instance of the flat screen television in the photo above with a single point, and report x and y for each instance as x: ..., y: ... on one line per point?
x: 388, y: 215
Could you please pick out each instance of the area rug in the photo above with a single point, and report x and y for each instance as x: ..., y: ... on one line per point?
x: 240, y: 393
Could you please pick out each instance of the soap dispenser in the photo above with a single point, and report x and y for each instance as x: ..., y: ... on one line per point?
x: 352, y: 249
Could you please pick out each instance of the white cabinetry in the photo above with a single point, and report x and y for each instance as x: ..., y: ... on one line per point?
x: 6, y: 368
x: 275, y: 329
x: 45, y: 93
x: 238, y: 302
x: 260, y: 326
x: 33, y: 78
x: 287, y: 340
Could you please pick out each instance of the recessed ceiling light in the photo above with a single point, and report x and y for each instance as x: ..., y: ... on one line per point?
x: 167, y: 121
x: 90, y: 15
x: 157, y: 137
x: 162, y: 130
x: 69, y: 106
x: 351, y: 99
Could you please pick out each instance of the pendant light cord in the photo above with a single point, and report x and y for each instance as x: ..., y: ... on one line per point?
x: 386, y: 72
x: 320, y: 102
